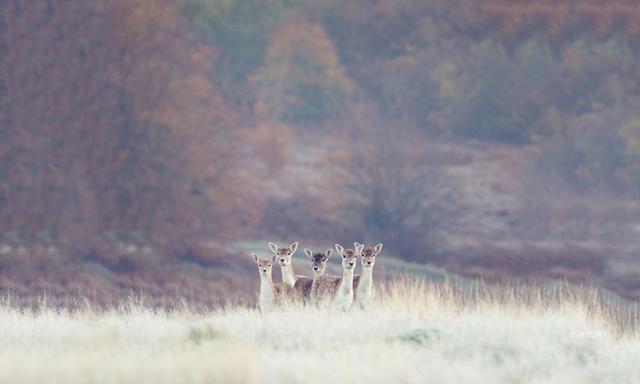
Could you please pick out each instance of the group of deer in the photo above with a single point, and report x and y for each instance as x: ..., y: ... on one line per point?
x: 342, y: 291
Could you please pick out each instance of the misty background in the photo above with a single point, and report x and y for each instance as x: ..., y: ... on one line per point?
x: 148, y: 145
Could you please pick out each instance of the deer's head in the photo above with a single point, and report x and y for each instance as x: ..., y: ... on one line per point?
x: 368, y: 258
x: 283, y: 255
x: 318, y: 261
x: 349, y: 256
x: 264, y: 265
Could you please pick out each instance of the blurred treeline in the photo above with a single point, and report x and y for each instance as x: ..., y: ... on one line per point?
x: 156, y: 122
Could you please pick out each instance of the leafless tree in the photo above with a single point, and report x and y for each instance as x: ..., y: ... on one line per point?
x: 391, y: 185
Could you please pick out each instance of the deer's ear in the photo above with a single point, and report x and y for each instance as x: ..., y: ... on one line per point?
x: 273, y: 247
x: 273, y: 259
x: 327, y: 254
x: 358, y: 247
x: 255, y: 258
x: 293, y: 247
x: 308, y: 253
x: 378, y: 248
x: 340, y: 249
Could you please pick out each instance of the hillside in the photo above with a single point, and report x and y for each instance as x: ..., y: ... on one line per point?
x: 502, y: 222
x: 505, y: 216
x: 142, y: 140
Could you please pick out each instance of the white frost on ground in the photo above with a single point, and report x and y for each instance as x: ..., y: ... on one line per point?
x: 415, y: 334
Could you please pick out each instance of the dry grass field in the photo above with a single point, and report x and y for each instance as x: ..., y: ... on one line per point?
x: 416, y: 332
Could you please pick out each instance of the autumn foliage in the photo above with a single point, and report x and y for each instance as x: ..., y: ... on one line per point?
x: 114, y: 130
x: 136, y: 132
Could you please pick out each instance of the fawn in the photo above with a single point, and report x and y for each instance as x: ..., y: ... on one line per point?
x: 284, y: 258
x: 271, y: 294
x: 343, y: 291
x: 363, y: 283
x: 310, y: 288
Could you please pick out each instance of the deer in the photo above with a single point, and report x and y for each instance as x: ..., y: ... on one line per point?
x: 271, y: 294
x: 311, y: 288
x: 284, y: 256
x: 363, y: 283
x: 343, y: 291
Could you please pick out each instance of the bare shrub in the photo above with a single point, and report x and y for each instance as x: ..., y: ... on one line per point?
x: 389, y: 186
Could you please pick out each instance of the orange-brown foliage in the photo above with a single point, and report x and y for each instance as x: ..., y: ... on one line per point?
x: 115, y: 131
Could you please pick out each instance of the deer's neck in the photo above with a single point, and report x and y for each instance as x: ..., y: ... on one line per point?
x: 314, y: 283
x: 288, y: 276
x: 365, y: 285
x: 344, y: 295
x: 346, y: 283
x: 266, y: 292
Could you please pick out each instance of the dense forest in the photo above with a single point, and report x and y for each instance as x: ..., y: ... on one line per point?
x: 159, y: 124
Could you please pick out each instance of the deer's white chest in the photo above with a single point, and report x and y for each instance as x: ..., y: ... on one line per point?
x: 266, y: 300
x: 288, y: 277
x: 344, y: 295
x: 267, y: 297
x: 344, y: 299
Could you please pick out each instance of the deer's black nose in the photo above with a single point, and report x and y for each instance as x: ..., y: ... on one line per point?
x: 368, y: 262
x: 264, y: 270
x: 282, y: 260
x: 351, y: 263
x: 315, y: 267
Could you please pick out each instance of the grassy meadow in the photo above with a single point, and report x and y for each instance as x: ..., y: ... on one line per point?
x: 415, y: 332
